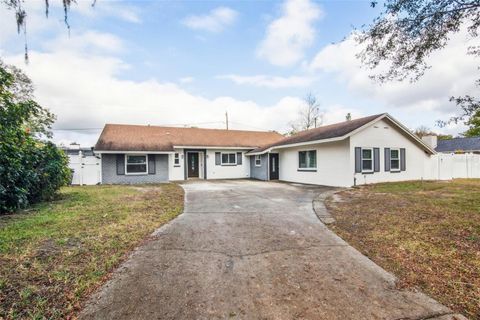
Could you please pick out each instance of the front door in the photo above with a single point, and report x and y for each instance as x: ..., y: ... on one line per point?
x: 192, y: 163
x: 273, y: 158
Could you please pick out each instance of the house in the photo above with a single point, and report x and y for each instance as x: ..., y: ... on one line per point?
x: 456, y: 145
x: 85, y: 165
x: 149, y: 154
x: 367, y: 150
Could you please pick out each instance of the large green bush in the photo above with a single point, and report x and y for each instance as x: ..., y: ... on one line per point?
x: 31, y: 168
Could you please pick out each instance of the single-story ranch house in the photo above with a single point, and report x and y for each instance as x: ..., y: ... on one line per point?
x: 367, y: 150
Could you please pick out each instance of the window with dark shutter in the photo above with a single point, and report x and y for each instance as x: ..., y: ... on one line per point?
x: 239, y: 158
x: 403, y: 164
x: 120, y: 164
x: 229, y: 159
x: 151, y: 164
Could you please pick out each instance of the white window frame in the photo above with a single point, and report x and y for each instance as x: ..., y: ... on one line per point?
x: 176, y: 159
x: 391, y: 167
x: 136, y: 173
x: 228, y: 163
x: 307, y: 160
x: 371, y: 159
x: 258, y: 160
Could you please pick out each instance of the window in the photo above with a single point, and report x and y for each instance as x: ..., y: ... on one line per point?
x: 176, y: 160
x: 258, y: 160
x: 307, y: 160
x: 229, y: 159
x: 367, y: 160
x: 136, y: 164
x: 394, y: 159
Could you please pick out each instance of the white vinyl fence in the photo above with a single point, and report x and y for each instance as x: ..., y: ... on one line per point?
x: 444, y: 166
x: 86, y: 169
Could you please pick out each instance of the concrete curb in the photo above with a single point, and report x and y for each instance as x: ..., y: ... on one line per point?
x: 318, y: 204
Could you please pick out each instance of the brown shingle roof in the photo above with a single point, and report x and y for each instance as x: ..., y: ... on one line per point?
x: 118, y: 137
x: 325, y: 132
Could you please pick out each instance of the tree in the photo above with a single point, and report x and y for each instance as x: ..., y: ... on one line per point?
x: 309, y: 116
x: 407, y: 32
x: 31, y: 169
x: 17, y: 6
x: 40, y: 122
x: 474, y: 124
x: 423, y: 131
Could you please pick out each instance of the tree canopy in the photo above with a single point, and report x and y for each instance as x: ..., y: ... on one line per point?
x: 404, y: 35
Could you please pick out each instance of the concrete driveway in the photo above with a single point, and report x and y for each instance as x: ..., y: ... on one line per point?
x: 253, y: 250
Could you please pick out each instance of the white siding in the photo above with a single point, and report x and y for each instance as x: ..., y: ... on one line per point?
x: 383, y: 135
x: 176, y: 172
x: 227, y: 172
x: 333, y: 162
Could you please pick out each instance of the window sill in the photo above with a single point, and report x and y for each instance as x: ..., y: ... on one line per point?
x: 228, y: 164
x: 395, y: 171
x: 176, y: 165
x: 137, y: 174
x: 258, y: 166
x: 368, y: 172
x: 306, y: 170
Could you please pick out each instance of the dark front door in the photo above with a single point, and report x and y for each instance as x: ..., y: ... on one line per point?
x: 192, y: 163
x: 273, y: 158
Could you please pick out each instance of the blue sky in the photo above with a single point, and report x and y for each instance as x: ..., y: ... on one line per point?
x: 187, y: 62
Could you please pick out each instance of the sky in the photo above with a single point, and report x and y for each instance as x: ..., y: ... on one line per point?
x: 186, y: 63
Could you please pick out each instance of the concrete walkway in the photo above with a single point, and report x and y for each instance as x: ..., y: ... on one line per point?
x: 253, y: 250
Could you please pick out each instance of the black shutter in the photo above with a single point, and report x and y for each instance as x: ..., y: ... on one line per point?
x: 120, y: 164
x: 358, y: 159
x: 217, y: 159
x: 403, y: 165
x: 151, y: 164
x: 239, y: 158
x: 376, y: 159
x: 387, y: 159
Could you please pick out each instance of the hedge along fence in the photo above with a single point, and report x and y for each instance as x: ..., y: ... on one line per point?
x: 31, y: 170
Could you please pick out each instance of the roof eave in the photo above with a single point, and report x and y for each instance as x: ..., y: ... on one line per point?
x: 132, y: 152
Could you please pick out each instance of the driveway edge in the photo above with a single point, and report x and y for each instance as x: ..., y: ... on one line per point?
x: 318, y: 204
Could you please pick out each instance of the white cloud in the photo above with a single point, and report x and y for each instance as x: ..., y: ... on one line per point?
x: 452, y: 73
x: 288, y: 37
x: 271, y: 82
x: 87, y: 91
x: 102, y: 9
x: 90, y: 41
x: 215, y: 21
x: 186, y: 79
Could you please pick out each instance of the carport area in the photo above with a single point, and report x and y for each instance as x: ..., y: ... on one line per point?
x: 246, y: 249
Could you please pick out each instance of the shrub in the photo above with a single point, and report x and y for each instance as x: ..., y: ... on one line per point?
x: 31, y: 169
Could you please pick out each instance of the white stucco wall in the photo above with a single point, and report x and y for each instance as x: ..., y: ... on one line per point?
x: 176, y: 172
x: 227, y: 172
x: 384, y: 134
x: 333, y: 162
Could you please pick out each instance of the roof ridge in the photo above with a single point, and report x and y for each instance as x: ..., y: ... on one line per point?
x: 198, y: 128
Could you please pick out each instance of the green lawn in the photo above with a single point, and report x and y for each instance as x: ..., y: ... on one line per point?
x: 57, y: 253
x: 426, y: 233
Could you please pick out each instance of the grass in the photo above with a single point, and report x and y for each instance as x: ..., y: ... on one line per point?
x: 426, y: 233
x: 53, y: 256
